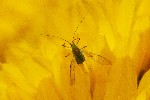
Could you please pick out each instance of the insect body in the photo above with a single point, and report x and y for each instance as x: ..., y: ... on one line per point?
x: 79, y: 57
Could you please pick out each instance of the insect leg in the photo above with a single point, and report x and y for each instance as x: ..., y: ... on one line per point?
x: 88, y: 66
x: 83, y: 68
x: 83, y: 47
x: 68, y: 55
x: 65, y: 46
x: 76, y: 39
x: 72, y: 72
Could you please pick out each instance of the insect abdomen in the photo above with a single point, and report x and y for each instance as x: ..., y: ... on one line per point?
x: 80, y: 58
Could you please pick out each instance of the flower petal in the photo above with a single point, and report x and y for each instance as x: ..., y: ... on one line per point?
x: 122, y: 81
x: 47, y: 90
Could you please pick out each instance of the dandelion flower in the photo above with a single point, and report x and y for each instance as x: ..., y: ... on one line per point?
x: 34, y: 66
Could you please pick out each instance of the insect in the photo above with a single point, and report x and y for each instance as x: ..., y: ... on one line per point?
x: 79, y: 55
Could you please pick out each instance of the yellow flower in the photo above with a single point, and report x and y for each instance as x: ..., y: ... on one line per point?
x: 34, y: 66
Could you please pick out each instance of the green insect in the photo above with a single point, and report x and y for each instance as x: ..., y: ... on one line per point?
x: 78, y: 55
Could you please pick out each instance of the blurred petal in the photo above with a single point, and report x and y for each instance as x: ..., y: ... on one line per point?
x: 122, y: 81
x: 16, y: 93
x: 47, y: 90
x: 3, y: 87
x: 17, y: 77
x: 144, y: 85
x: 141, y: 96
x: 142, y: 55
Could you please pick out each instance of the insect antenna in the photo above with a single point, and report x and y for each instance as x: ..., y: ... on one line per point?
x: 58, y: 38
x: 79, y: 25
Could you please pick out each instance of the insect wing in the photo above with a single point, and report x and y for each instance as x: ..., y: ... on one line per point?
x: 72, y: 72
x: 100, y: 59
x: 103, y: 60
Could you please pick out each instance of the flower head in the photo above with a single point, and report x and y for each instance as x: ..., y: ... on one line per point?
x: 109, y: 61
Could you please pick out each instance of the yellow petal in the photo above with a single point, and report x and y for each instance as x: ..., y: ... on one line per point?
x: 3, y: 86
x: 144, y: 85
x: 47, y: 90
x: 15, y: 75
x: 122, y: 81
x: 16, y: 93
x: 142, y: 96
